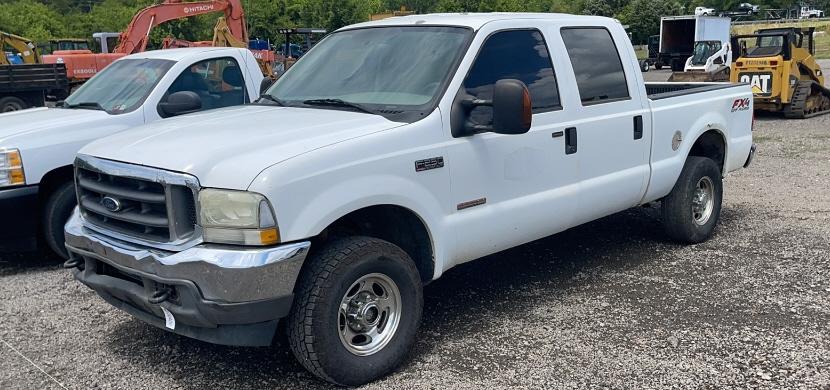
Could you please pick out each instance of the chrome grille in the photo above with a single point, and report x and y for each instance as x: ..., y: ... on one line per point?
x: 148, y: 205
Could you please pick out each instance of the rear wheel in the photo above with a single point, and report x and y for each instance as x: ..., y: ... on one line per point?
x: 692, y: 209
x: 658, y: 66
x: 56, y: 212
x: 11, y: 103
x: 356, y: 312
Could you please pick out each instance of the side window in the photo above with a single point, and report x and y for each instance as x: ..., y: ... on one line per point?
x: 597, y: 65
x: 218, y: 82
x: 514, y: 54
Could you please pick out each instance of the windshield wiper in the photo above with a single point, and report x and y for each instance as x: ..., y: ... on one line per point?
x: 337, y: 103
x: 85, y: 105
x: 271, y: 98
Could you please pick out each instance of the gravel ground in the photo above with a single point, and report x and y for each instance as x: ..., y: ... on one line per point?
x: 608, y: 304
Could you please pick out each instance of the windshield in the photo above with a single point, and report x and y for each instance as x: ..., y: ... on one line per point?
x: 384, y: 68
x: 121, y: 87
x: 765, y: 46
x: 703, y: 50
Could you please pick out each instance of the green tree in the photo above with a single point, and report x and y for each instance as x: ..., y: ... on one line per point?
x: 32, y: 20
x: 643, y: 17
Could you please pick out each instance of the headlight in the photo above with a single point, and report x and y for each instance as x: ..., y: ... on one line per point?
x: 237, y: 217
x: 11, y: 168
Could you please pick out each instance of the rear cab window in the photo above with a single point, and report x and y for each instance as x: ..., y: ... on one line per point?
x: 598, y: 69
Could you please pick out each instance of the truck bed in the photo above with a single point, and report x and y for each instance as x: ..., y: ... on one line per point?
x: 657, y: 91
x: 33, y: 77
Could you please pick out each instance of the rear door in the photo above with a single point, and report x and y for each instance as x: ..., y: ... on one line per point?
x: 611, y: 129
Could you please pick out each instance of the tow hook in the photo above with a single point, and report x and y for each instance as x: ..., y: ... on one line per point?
x: 73, y: 262
x: 160, y: 296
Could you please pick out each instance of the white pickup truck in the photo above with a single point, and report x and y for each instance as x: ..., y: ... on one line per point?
x: 391, y: 152
x: 38, y: 146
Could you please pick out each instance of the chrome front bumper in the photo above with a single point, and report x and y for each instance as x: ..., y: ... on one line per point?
x: 219, y: 294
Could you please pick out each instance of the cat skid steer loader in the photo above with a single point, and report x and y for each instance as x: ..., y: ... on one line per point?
x: 780, y: 66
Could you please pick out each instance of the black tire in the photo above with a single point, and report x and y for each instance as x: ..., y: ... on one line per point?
x: 679, y: 219
x: 56, y: 211
x: 644, y: 66
x: 11, y: 103
x: 658, y: 66
x: 314, y: 319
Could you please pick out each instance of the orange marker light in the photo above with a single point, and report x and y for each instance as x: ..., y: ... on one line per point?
x: 269, y: 236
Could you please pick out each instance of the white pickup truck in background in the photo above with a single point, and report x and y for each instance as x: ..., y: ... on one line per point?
x: 391, y: 152
x: 38, y: 146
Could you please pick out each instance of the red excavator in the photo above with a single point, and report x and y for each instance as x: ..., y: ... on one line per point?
x: 83, y: 64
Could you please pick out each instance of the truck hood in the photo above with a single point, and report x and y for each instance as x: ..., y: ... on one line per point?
x: 19, y: 128
x: 229, y: 147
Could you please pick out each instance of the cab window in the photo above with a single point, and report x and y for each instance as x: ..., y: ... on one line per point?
x: 513, y: 54
x: 218, y: 82
x: 596, y: 63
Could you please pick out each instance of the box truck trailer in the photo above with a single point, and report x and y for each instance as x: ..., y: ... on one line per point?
x: 678, y: 35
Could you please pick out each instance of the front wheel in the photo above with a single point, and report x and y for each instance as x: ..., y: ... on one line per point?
x: 56, y: 212
x: 692, y: 209
x: 357, y: 308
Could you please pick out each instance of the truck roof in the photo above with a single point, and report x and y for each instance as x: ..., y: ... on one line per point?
x: 472, y: 20
x: 183, y: 53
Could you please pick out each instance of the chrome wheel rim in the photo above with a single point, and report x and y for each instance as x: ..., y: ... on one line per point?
x: 369, y: 314
x: 703, y: 200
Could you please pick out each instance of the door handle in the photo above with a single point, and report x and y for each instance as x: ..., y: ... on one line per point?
x: 638, y: 127
x: 570, y: 140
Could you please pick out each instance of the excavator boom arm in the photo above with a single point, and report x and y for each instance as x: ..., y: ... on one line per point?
x: 22, y: 45
x: 134, y: 38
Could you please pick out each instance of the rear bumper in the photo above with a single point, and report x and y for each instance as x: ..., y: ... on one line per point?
x: 222, y: 295
x: 19, y: 207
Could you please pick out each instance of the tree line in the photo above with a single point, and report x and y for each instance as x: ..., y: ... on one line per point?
x: 41, y: 20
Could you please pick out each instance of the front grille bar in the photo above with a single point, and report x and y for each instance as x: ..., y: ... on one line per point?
x: 156, y: 207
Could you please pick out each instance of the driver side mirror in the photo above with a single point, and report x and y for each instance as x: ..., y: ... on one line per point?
x: 512, y: 110
x: 180, y: 103
x: 266, y: 83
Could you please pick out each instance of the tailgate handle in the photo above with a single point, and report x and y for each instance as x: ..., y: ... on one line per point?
x: 570, y: 140
x: 638, y: 127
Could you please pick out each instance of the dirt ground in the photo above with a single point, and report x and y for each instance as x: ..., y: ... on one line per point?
x: 609, y: 304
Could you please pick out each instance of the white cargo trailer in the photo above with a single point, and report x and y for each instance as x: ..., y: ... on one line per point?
x: 678, y: 35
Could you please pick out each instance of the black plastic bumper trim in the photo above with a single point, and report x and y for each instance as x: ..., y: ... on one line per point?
x: 19, y: 208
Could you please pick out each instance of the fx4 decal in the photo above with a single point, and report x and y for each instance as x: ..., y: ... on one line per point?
x: 741, y: 104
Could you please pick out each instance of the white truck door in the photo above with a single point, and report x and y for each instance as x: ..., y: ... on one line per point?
x: 510, y: 189
x: 611, y: 130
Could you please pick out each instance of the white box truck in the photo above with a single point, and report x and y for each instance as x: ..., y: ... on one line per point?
x: 678, y: 35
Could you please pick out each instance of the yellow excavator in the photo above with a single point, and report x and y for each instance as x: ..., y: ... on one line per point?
x: 223, y: 37
x: 22, y: 45
x: 780, y: 66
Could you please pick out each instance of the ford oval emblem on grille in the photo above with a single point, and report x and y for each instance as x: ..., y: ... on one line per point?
x: 111, y: 204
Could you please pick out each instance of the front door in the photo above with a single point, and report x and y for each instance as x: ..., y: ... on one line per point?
x: 510, y: 189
